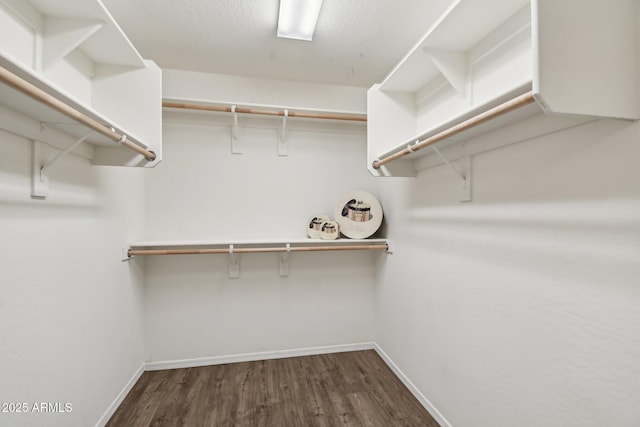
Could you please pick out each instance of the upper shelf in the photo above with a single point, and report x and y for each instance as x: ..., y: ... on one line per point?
x: 75, y: 52
x: 279, y: 243
x: 442, y: 49
x: 575, y: 58
x: 70, y: 24
x: 284, y: 247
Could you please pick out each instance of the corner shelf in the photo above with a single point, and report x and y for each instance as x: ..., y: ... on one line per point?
x: 233, y: 249
x: 75, y: 52
x: 471, y: 61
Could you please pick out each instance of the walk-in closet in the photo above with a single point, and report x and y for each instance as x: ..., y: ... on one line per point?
x: 415, y: 213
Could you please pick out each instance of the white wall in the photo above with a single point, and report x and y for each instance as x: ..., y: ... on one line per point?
x: 70, y: 310
x: 203, y: 192
x: 520, y: 308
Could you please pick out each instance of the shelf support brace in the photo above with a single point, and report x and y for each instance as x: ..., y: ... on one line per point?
x: 465, y: 189
x: 39, y: 181
x: 234, y: 263
x: 284, y: 262
x: 54, y: 160
x: 235, y: 144
x: 40, y: 178
x: 453, y: 65
x: 61, y: 36
x: 283, y: 146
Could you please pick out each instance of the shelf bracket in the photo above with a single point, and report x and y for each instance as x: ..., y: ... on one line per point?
x: 40, y: 178
x: 235, y: 143
x: 39, y: 181
x: 63, y: 153
x: 283, y: 146
x: 465, y: 187
x: 234, y: 263
x: 283, y: 265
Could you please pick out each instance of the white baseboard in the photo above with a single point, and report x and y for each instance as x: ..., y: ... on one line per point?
x: 120, y: 397
x: 412, y: 388
x: 250, y: 357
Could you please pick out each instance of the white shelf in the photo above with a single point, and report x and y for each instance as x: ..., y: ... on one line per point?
x: 29, y: 107
x: 576, y: 58
x: 74, y: 51
x: 198, y: 102
x: 454, y: 33
x: 109, y: 45
x: 296, y: 241
x: 233, y: 249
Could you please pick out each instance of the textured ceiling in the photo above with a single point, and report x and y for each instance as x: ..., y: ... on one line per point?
x: 356, y: 42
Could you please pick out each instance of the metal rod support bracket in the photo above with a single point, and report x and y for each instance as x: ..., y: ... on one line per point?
x: 235, y: 143
x: 64, y: 152
x: 234, y: 263
x: 40, y: 178
x: 283, y: 265
x: 283, y: 146
x: 465, y: 175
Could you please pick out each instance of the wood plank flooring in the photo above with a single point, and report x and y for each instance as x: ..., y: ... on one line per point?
x: 341, y: 389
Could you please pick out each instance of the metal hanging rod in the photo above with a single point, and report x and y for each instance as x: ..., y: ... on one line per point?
x: 136, y: 252
x: 492, y: 113
x: 43, y: 97
x: 289, y: 113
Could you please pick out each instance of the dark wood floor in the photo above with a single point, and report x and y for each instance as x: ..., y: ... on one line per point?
x: 341, y: 389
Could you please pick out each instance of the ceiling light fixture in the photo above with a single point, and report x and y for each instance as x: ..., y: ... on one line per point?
x: 297, y: 18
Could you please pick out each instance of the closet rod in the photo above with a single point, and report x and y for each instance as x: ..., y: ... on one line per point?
x: 492, y: 113
x: 133, y: 252
x: 301, y: 114
x: 41, y: 96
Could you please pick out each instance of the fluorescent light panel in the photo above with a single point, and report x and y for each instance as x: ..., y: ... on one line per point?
x: 298, y: 18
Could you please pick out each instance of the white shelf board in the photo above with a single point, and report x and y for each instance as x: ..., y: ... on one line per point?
x: 109, y: 45
x: 253, y: 245
x: 468, y: 22
x: 296, y: 241
x: 24, y: 104
x: 496, y: 123
x: 205, y: 102
x: 458, y: 30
